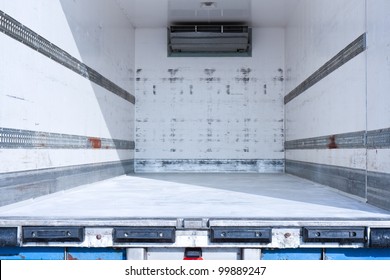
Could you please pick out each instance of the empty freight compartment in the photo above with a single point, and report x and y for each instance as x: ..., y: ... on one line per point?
x: 162, y: 127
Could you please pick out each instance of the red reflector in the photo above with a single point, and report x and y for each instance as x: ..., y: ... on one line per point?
x: 193, y: 254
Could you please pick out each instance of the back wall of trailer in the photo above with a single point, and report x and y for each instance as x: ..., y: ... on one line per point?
x: 209, y: 113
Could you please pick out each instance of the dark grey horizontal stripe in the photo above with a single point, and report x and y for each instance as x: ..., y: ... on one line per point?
x: 349, y: 180
x: 378, y: 139
x: 18, y: 186
x: 349, y: 52
x: 21, y: 33
x: 378, y: 189
x: 28, y: 139
x: 374, y: 139
x: 209, y: 165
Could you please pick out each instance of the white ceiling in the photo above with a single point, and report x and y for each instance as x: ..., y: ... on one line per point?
x: 162, y: 13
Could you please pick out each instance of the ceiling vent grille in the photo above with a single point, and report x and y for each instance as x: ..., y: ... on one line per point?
x: 209, y: 40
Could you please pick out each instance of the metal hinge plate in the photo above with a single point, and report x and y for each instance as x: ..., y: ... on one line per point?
x: 53, y: 234
x: 143, y: 235
x: 241, y: 235
x: 334, y: 234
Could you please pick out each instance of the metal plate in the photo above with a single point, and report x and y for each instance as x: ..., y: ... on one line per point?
x: 380, y: 237
x: 292, y: 254
x: 246, y: 235
x: 8, y: 237
x: 378, y: 139
x: 354, y: 140
x: 53, y: 234
x: 334, y: 234
x: 357, y: 254
x: 35, y: 253
x: 144, y: 235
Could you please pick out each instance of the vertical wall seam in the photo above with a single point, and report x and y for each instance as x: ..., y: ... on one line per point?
x: 366, y: 84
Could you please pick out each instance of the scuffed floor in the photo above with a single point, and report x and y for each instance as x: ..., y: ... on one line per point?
x: 260, y: 196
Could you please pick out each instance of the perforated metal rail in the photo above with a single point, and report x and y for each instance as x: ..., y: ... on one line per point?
x: 28, y: 139
x: 374, y: 139
x: 377, y: 139
x: 353, y: 140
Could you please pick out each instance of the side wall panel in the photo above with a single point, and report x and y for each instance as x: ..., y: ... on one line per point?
x: 53, y: 117
x: 337, y: 102
x: 326, y: 93
x: 378, y: 102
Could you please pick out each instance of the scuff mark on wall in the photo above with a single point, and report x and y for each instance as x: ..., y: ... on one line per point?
x: 244, y: 75
x: 279, y: 77
x: 173, y: 79
x: 16, y: 97
x: 210, y: 78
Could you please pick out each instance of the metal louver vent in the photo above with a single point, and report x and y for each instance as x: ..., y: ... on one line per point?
x: 209, y: 40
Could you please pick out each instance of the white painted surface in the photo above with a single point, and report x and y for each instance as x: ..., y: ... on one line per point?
x: 104, y: 37
x: 378, y: 82
x: 378, y: 160
x: 350, y: 158
x: 378, y: 64
x: 45, y: 17
x: 31, y: 159
x: 317, y: 31
x: 39, y: 94
x: 42, y: 95
x: 209, y: 108
x: 197, y: 195
x: 334, y: 105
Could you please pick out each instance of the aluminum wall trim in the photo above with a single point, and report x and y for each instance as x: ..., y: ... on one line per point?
x: 209, y: 165
x: 353, y: 140
x: 22, y: 185
x: 27, y: 139
x: 374, y: 139
x: 356, y: 47
x: 21, y: 33
x: 378, y: 189
x: 378, y: 139
x: 348, y: 180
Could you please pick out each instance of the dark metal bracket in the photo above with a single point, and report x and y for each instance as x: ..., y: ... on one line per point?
x: 143, y: 235
x: 242, y: 235
x: 335, y: 234
x: 53, y: 234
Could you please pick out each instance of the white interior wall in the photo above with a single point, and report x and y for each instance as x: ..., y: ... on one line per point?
x: 353, y: 98
x: 209, y: 108
x: 378, y: 82
x: 336, y: 104
x: 316, y: 31
x: 39, y: 94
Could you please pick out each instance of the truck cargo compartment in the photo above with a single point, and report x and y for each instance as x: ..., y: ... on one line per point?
x: 218, y: 129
